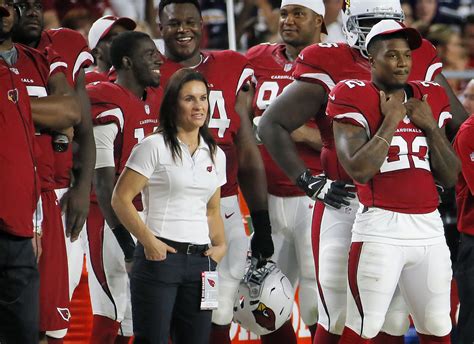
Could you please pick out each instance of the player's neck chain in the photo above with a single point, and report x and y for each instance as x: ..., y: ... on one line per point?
x: 200, y: 61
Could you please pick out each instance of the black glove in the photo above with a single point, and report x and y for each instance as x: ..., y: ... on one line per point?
x: 125, y: 241
x: 262, y: 243
x: 331, y: 193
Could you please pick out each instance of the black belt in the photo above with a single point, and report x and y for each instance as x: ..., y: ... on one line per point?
x: 186, y: 247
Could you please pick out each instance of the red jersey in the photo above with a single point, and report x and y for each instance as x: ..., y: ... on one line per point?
x: 18, y: 179
x: 225, y: 71
x: 404, y: 183
x: 35, y: 69
x: 95, y: 76
x: 135, y: 118
x: 272, y: 73
x: 73, y: 49
x: 329, y: 63
x: 464, y: 147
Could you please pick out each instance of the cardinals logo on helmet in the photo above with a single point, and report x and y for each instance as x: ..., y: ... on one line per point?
x: 265, y: 317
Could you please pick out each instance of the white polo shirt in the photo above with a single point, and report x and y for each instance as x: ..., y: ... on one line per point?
x: 176, y: 196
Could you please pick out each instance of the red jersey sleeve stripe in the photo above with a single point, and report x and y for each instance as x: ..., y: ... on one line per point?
x: 356, y: 118
x: 325, y: 79
x: 431, y: 73
x: 247, y: 75
x: 117, y: 113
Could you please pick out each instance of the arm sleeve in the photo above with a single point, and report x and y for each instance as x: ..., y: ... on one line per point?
x: 104, y: 136
x: 145, y: 156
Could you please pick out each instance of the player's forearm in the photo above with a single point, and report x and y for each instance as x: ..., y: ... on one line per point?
x: 86, y: 155
x: 309, y: 136
x: 281, y: 147
x: 104, y: 186
x: 364, y: 163
x: 444, y: 163
x: 252, y: 179
x: 55, y: 112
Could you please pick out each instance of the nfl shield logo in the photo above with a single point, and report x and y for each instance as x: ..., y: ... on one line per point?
x: 288, y: 67
x: 147, y: 109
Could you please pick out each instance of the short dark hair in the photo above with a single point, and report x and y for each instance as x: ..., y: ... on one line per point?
x: 374, y: 42
x: 164, y: 3
x: 468, y: 21
x: 169, y: 107
x: 125, y: 44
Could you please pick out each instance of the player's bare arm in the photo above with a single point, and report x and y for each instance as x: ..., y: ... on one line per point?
x: 360, y: 156
x: 445, y: 165
x: 251, y: 174
x: 76, y: 200
x: 216, y: 228
x: 55, y: 112
x: 104, y: 183
x: 457, y: 110
x: 289, y: 111
x: 309, y: 136
x: 252, y: 179
x: 128, y: 186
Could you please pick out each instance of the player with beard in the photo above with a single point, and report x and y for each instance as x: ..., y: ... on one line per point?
x: 43, y: 75
x: 123, y: 113
x: 291, y: 211
x: 319, y: 68
x: 72, y: 48
x: 227, y: 73
x: 390, y: 138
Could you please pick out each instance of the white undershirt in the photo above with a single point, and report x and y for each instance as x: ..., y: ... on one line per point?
x: 104, y: 136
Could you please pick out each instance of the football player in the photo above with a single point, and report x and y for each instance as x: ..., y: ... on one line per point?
x: 123, y: 113
x: 45, y: 80
x: 464, y: 147
x: 72, y: 48
x: 291, y: 211
x: 319, y: 67
x: 390, y: 138
x: 227, y: 73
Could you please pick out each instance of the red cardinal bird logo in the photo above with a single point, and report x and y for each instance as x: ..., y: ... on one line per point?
x: 265, y: 317
x: 212, y: 283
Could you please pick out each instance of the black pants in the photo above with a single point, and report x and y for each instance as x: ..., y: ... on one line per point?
x: 19, y: 291
x: 464, y: 274
x: 166, y: 297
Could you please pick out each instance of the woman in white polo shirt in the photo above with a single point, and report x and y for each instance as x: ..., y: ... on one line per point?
x: 179, y: 170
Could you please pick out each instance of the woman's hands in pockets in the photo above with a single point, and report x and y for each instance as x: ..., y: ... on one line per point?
x: 216, y: 253
x: 156, y: 249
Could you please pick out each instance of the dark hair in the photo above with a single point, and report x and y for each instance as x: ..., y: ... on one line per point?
x: 373, y: 45
x: 125, y: 44
x: 169, y: 114
x: 468, y: 21
x: 164, y: 3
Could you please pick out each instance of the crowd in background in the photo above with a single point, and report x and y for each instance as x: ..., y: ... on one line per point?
x: 448, y: 24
